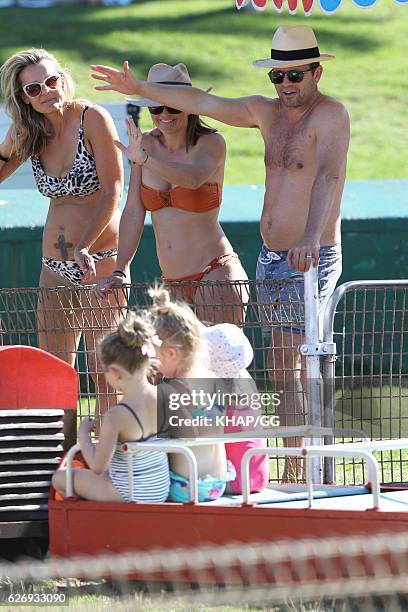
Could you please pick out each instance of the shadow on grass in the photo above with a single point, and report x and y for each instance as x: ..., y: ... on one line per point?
x: 380, y: 411
x: 84, y: 25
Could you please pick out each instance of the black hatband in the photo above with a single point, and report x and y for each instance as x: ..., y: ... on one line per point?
x: 296, y: 54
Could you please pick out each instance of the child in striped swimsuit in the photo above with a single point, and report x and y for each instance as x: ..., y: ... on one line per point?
x: 126, y: 357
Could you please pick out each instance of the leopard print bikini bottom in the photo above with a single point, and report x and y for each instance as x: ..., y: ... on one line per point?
x: 69, y: 269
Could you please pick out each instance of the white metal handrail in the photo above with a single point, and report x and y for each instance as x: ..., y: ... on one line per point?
x: 183, y: 447
x: 165, y: 446
x: 295, y: 431
x: 69, y: 489
x: 374, y: 445
x: 308, y: 453
x: 313, y: 393
x: 341, y: 290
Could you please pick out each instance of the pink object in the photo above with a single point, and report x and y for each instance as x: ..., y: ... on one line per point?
x: 148, y: 347
x: 258, y: 467
x: 230, y: 353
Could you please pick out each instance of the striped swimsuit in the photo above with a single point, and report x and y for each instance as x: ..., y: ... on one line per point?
x: 151, y: 478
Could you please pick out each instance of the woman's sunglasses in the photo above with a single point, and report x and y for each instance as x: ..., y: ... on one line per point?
x: 294, y: 76
x: 157, y: 110
x: 33, y: 90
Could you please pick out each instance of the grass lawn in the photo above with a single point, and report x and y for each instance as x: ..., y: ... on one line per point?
x: 218, y: 43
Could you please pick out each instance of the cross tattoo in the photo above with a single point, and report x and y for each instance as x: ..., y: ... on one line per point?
x: 63, y: 246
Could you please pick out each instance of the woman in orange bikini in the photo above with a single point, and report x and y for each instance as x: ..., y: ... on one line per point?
x: 177, y: 175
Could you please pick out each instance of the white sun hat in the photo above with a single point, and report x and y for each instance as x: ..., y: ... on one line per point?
x: 230, y: 351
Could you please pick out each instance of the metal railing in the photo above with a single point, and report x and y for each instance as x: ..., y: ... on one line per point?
x: 309, y: 432
x: 365, y: 385
x: 309, y: 453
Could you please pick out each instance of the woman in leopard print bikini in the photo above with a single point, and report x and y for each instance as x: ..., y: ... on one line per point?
x: 76, y: 165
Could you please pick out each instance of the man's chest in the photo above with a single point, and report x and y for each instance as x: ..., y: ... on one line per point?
x: 289, y: 147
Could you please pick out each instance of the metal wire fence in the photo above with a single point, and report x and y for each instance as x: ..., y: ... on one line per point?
x: 369, y: 323
x: 368, y: 573
x: 366, y: 320
x: 69, y: 323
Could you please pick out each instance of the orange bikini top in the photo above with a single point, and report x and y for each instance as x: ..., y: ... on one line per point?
x: 205, y: 198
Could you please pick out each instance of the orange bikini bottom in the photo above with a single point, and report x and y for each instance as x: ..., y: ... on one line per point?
x: 188, y: 291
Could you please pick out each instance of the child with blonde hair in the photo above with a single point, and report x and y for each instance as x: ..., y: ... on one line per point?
x: 180, y: 355
x: 126, y: 356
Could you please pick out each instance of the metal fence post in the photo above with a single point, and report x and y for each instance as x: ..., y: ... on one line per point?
x: 311, y: 352
x: 328, y: 373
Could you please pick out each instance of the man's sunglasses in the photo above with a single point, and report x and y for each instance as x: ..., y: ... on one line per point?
x: 33, y: 90
x: 294, y: 76
x: 157, y: 110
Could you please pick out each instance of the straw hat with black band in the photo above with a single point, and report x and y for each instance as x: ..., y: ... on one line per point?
x: 293, y: 46
x: 163, y: 74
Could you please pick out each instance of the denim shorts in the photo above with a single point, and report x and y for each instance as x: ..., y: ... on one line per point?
x: 281, y: 304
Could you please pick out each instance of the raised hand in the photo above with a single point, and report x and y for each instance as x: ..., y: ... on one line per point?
x: 134, y: 151
x: 87, y: 425
x: 122, y: 81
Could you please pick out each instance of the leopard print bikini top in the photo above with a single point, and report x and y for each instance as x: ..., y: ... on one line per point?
x: 81, y: 180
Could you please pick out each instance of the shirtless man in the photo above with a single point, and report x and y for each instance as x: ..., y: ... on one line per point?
x: 306, y: 136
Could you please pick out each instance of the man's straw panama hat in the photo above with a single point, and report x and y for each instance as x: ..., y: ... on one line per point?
x: 166, y: 75
x: 293, y: 46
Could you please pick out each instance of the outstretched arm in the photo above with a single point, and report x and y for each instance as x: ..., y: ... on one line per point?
x: 332, y: 141
x: 239, y: 112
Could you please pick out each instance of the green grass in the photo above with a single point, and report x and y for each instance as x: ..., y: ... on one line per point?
x: 380, y: 412
x: 173, y: 602
x: 218, y: 44
x: 86, y: 407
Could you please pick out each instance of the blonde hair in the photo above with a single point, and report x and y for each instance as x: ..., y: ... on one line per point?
x: 124, y: 346
x: 31, y: 130
x: 175, y: 322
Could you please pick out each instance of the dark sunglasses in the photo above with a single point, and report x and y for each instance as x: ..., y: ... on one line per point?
x: 157, y: 110
x: 34, y: 89
x: 294, y: 76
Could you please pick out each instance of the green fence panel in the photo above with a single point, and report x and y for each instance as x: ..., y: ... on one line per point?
x: 374, y: 229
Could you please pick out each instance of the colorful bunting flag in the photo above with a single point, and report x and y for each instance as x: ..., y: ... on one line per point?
x: 326, y: 6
